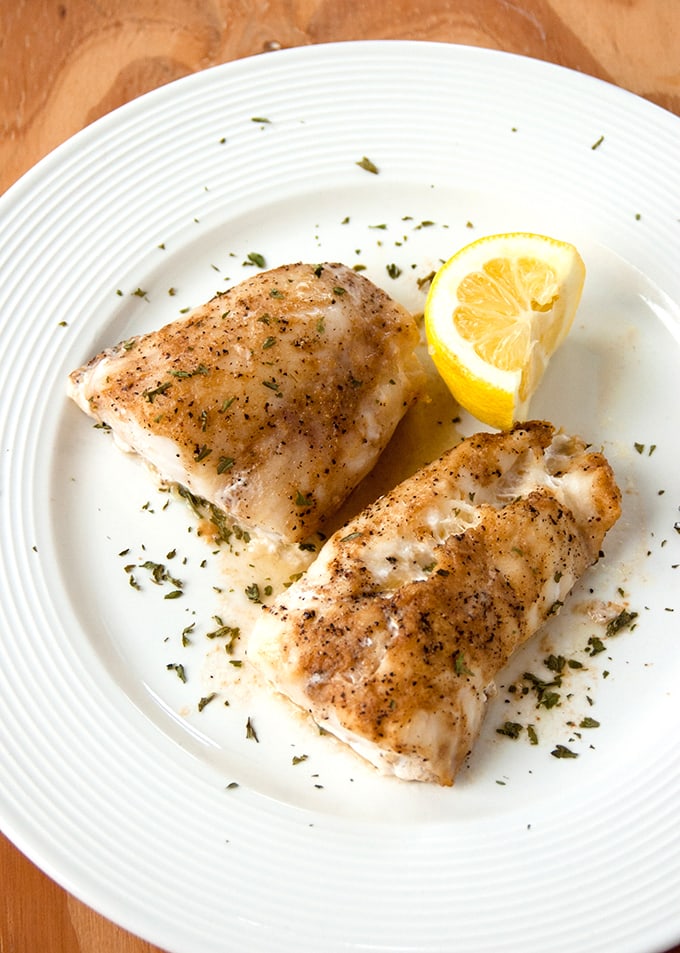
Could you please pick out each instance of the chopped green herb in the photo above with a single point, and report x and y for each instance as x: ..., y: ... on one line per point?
x: 206, y: 700
x: 194, y: 502
x: 549, y: 700
x: 159, y: 573
x: 589, y: 723
x: 178, y: 668
x: 393, y: 270
x: 255, y: 258
x: 201, y: 369
x: 596, y: 645
x: 154, y: 392
x: 253, y: 592
x: 459, y: 664
x: 511, y: 729
x: 561, y: 751
x: 230, y: 633
x: 622, y: 621
x: 425, y: 280
x: 555, y: 663
x: 224, y: 464
x: 250, y: 731
x: 540, y: 686
x: 365, y: 163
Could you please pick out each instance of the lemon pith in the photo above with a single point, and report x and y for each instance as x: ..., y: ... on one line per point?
x: 496, y: 312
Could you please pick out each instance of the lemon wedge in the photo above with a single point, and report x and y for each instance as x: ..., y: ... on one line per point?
x: 495, y: 314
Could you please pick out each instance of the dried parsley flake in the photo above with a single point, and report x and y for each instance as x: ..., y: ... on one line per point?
x: 368, y: 165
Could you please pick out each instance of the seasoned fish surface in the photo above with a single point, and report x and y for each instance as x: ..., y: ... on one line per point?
x: 393, y: 638
x: 272, y: 401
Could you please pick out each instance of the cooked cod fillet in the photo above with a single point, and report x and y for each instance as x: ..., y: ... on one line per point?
x: 393, y: 638
x: 272, y: 401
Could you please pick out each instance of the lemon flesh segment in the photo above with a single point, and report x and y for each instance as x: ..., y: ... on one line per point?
x: 496, y: 313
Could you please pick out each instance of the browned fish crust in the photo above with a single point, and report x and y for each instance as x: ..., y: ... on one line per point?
x: 400, y: 659
x: 272, y: 400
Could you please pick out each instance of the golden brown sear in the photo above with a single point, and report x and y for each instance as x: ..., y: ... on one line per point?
x: 393, y: 638
x: 272, y: 401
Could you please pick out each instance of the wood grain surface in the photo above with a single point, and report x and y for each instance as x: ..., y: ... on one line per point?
x: 64, y: 64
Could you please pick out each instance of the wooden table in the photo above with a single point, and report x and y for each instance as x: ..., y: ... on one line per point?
x: 64, y: 64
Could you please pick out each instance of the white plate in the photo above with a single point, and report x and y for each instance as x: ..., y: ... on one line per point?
x: 111, y: 779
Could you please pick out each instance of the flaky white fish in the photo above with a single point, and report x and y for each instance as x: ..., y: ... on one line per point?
x: 272, y: 401
x: 394, y: 636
